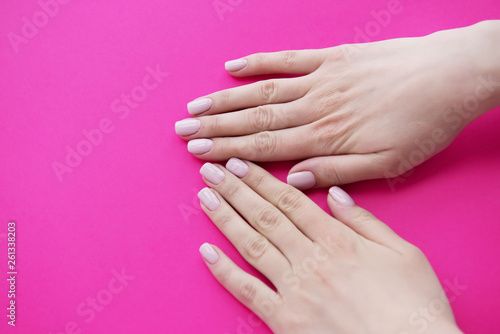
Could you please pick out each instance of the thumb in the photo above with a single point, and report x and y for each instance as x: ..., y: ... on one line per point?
x: 322, y: 172
x: 363, y: 222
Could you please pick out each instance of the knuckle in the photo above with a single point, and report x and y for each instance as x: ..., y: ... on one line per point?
x: 332, y: 134
x: 290, y: 200
x: 295, y: 322
x: 258, y: 60
x: 261, y: 118
x: 259, y: 180
x: 267, y: 219
x: 334, y: 175
x: 393, y: 165
x: 268, y: 91
x: 228, y: 147
x: 224, y: 219
x: 331, y: 102
x: 338, y: 242
x: 340, y: 53
x: 288, y: 58
x: 265, y: 143
x: 223, y: 274
x: 223, y: 97
x: 255, y: 247
x: 364, y: 217
x: 215, y: 125
x: 231, y: 190
x: 396, y: 165
x: 248, y: 291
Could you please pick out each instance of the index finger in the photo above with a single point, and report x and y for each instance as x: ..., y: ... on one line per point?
x: 291, y: 61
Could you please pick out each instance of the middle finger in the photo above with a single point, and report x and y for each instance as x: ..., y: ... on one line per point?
x: 248, y: 121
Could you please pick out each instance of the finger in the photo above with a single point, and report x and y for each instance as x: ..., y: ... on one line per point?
x: 362, y: 221
x: 252, y: 95
x: 301, y: 210
x: 293, y: 62
x: 286, y: 144
x: 259, y: 213
x: 249, y: 121
x: 249, y: 290
x: 322, y: 172
x: 255, y: 248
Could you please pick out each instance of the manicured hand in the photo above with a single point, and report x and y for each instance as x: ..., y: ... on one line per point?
x: 351, y: 274
x: 357, y: 112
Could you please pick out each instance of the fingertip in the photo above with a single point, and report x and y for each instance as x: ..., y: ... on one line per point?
x: 341, y: 197
x: 238, y: 167
x: 235, y: 65
x: 209, y: 253
x: 301, y: 180
x: 199, y: 106
x: 200, y: 146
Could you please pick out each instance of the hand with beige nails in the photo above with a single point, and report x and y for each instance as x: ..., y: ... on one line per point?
x: 356, y: 112
x: 348, y: 274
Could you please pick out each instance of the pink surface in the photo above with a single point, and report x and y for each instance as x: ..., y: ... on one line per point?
x: 130, y: 203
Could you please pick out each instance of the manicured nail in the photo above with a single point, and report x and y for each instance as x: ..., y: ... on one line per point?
x: 198, y: 106
x: 235, y: 65
x: 200, y: 146
x: 237, y: 167
x: 209, y: 253
x: 187, y: 127
x: 341, y: 196
x: 208, y: 198
x: 212, y: 173
x: 301, y: 180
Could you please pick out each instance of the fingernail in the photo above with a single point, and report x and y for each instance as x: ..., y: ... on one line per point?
x: 237, y: 167
x: 212, y: 173
x: 187, y: 127
x: 341, y: 196
x: 301, y: 180
x: 208, y: 198
x: 235, y: 65
x: 209, y: 253
x: 198, y: 106
x: 200, y: 146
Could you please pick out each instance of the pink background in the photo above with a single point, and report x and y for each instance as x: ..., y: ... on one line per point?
x: 130, y: 204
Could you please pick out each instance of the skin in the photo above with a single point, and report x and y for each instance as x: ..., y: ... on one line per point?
x: 357, y: 112
x: 348, y: 274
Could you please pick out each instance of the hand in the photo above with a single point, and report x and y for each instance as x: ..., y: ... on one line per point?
x: 350, y: 275
x: 359, y: 112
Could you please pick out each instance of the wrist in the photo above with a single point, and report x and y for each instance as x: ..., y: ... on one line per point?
x: 449, y: 327
x: 468, y: 67
x: 486, y: 35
